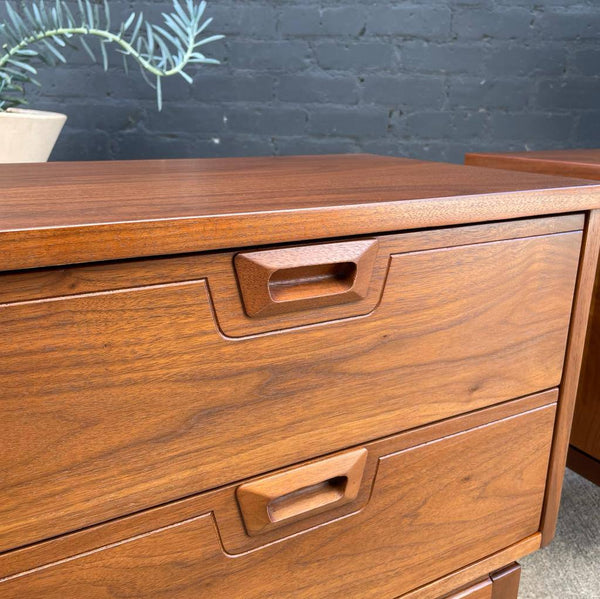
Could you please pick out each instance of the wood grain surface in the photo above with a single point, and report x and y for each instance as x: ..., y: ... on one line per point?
x: 571, y: 375
x: 218, y: 269
x: 480, y: 590
x: 584, y: 456
x: 585, y: 434
x: 233, y: 535
x: 66, y: 213
x: 437, y: 588
x: 434, y: 508
x: 141, y: 398
x: 506, y: 582
x: 118, y: 401
x: 568, y: 163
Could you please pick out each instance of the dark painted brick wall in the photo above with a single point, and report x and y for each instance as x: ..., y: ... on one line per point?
x: 429, y: 79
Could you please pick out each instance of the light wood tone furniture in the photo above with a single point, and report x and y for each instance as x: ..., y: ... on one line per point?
x: 584, y: 450
x: 343, y: 376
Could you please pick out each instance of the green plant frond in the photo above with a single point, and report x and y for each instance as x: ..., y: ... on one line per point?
x: 40, y: 30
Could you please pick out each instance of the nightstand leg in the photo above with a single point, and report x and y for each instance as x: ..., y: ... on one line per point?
x: 506, y: 582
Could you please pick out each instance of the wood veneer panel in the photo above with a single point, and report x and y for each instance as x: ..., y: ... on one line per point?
x: 501, y: 558
x: 572, y: 370
x: 102, y: 389
x: 217, y: 269
x: 506, y: 582
x: 481, y: 590
x: 454, y: 501
x: 55, y: 214
x: 224, y: 504
x: 569, y: 163
x: 585, y: 434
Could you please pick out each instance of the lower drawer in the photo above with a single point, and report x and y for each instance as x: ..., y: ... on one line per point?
x: 431, y: 501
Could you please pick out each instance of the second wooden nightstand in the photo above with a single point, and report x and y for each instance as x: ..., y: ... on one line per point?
x: 584, y: 452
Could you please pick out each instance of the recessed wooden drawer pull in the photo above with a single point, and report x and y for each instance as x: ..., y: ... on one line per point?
x: 299, y: 278
x: 284, y: 498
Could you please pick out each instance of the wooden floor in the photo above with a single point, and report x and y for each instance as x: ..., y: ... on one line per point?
x: 569, y: 568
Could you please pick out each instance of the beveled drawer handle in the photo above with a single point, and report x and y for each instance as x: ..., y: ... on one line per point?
x: 283, y: 498
x: 299, y: 278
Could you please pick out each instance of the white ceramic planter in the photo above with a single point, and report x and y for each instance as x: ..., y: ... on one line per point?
x: 28, y: 135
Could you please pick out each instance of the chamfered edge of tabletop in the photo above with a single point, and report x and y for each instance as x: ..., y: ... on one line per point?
x: 76, y: 244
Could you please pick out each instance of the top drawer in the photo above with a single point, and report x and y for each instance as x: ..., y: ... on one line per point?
x: 116, y: 400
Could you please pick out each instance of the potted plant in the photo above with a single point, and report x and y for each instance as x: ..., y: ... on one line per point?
x: 41, y: 31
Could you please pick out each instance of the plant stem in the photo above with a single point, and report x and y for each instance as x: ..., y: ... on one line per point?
x: 111, y: 37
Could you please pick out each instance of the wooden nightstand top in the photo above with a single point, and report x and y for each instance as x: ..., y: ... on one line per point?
x: 65, y: 213
x: 568, y: 163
